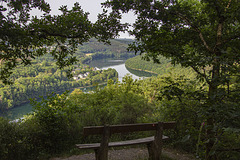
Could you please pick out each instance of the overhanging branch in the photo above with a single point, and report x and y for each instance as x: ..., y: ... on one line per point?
x: 62, y: 35
x: 201, y: 74
x: 184, y: 18
x: 59, y: 34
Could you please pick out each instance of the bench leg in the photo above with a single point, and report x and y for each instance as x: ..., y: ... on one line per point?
x: 150, y: 151
x: 155, y: 148
x: 96, y: 153
x: 102, y: 153
x: 154, y: 152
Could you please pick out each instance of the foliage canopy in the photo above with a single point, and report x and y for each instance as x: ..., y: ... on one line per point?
x: 199, y: 34
x: 23, y: 38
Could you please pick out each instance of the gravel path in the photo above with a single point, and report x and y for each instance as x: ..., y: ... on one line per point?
x: 131, y: 154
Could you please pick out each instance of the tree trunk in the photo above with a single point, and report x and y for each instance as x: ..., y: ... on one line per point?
x: 212, y: 101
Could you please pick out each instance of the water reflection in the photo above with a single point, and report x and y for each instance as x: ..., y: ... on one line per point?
x: 140, y: 73
x: 104, y: 63
x: 119, y: 66
x: 17, y: 112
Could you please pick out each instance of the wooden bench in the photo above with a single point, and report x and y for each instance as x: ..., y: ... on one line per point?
x: 153, y: 143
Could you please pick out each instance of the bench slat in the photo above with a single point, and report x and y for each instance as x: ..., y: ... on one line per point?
x: 120, y: 143
x: 93, y: 130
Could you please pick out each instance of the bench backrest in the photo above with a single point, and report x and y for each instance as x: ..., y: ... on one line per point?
x: 93, y: 130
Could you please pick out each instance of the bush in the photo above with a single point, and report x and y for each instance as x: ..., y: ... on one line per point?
x: 115, y: 104
x: 13, y: 145
x: 57, y: 123
x: 52, y: 128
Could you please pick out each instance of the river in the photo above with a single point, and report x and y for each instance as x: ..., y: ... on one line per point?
x: 118, y: 65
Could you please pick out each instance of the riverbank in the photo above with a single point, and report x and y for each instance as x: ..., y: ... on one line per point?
x: 19, y: 111
x: 57, y: 92
x: 141, y: 70
x: 22, y: 90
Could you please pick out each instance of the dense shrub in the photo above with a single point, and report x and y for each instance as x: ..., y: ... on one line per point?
x: 51, y: 129
x: 56, y: 123
x: 183, y: 101
x: 114, y: 104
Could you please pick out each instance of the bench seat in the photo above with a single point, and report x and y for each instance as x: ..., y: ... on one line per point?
x: 146, y: 140
x: 154, y: 143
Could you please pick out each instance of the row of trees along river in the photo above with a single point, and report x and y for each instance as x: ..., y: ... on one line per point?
x: 44, y: 76
x: 104, y: 64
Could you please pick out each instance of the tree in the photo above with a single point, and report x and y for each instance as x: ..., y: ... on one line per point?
x: 23, y: 38
x: 203, y: 35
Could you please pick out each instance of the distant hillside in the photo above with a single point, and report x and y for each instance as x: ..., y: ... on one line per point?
x: 165, y: 66
x: 97, y: 50
x: 117, y: 46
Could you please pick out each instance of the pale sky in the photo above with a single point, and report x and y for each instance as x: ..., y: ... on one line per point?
x: 91, y: 6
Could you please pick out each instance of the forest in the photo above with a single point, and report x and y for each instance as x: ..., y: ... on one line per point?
x: 96, y: 50
x: 200, y: 38
x: 44, y: 77
x: 163, y: 67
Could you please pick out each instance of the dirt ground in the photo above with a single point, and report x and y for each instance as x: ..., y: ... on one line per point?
x: 131, y: 154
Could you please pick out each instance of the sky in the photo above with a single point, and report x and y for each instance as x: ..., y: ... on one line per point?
x: 91, y: 6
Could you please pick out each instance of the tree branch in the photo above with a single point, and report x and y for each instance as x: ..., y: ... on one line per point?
x: 196, y: 29
x: 201, y: 74
x: 58, y: 34
x: 219, y: 34
x: 61, y: 35
x: 228, y: 4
